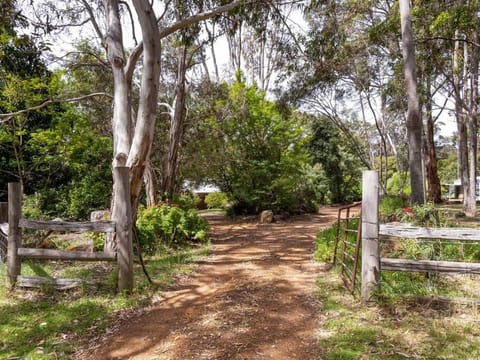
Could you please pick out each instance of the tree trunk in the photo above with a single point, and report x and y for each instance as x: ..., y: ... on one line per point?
x: 121, y: 101
x: 176, y: 126
x: 414, y: 122
x: 461, y: 124
x: 371, y: 152
x: 211, y: 40
x: 471, y: 204
x: 433, y: 181
x: 149, y: 182
x: 135, y: 152
x: 147, y: 107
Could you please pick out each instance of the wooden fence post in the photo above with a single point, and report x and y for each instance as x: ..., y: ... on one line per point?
x: 123, y: 222
x: 14, y: 233
x: 370, y: 248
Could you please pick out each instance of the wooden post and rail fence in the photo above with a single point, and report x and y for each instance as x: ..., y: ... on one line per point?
x: 371, y: 229
x: 120, y: 224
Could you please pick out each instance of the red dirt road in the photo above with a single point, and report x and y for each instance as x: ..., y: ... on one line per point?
x: 252, y: 298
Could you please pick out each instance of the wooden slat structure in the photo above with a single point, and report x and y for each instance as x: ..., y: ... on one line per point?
x: 121, y: 226
x: 14, y: 232
x: 40, y: 281
x: 50, y: 254
x: 372, y: 264
x: 413, y: 232
x: 87, y: 226
x: 429, y: 266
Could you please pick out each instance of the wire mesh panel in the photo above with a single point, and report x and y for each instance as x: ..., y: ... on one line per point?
x: 348, y: 243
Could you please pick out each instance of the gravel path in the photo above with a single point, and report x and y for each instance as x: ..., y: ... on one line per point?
x: 250, y: 299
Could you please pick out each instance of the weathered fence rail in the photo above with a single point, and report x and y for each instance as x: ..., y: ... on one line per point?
x: 413, y: 232
x: 100, y: 226
x: 373, y: 264
x: 50, y: 254
x: 121, y: 225
x: 429, y: 266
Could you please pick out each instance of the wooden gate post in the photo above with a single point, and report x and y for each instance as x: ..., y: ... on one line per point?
x: 370, y: 248
x: 123, y: 223
x: 14, y: 233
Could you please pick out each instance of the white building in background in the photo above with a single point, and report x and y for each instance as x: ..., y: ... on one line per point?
x: 201, y: 191
x: 455, y: 189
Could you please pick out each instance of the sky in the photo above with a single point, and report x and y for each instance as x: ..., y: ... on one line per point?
x: 64, y: 42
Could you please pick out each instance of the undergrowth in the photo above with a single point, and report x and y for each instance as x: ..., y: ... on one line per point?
x: 48, y: 324
x: 394, y: 329
x: 404, y: 322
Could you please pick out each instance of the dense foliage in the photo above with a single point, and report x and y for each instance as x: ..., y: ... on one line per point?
x: 24, y: 81
x: 341, y: 168
x: 254, y: 152
x: 57, y: 153
x: 71, y: 168
x: 216, y: 200
x: 165, y: 225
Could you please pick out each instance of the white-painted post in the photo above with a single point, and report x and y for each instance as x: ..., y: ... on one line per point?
x: 123, y: 229
x: 370, y: 248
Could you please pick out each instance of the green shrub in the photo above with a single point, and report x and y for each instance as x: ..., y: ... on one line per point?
x: 426, y: 215
x: 324, y: 244
x: 398, y: 184
x: 186, y: 200
x: 390, y: 205
x: 216, y: 200
x: 170, y: 226
x: 31, y: 207
x: 98, y: 239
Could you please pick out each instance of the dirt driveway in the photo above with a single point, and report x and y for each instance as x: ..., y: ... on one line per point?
x: 250, y: 299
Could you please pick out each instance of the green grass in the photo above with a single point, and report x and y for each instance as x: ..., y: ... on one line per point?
x: 401, y: 324
x: 391, y: 330
x: 49, y: 324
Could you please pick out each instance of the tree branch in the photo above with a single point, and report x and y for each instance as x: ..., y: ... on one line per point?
x: 131, y: 21
x: 182, y: 24
x: 425, y: 39
x: 8, y: 116
x: 94, y: 21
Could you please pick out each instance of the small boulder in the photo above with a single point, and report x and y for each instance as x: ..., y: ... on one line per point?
x: 266, y: 217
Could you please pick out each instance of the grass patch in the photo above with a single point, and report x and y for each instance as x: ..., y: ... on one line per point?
x: 397, y: 329
x: 49, y: 324
x: 402, y: 324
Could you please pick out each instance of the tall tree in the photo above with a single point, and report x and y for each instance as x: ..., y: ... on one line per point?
x: 414, y: 121
x: 457, y: 27
x: 132, y: 141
